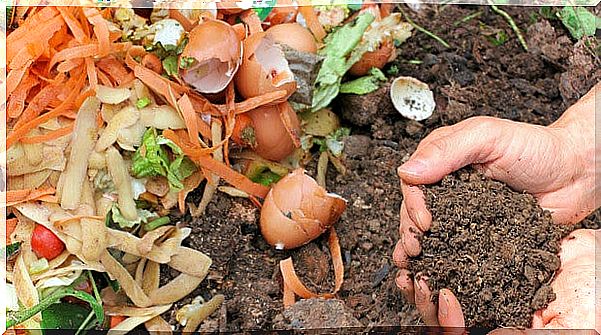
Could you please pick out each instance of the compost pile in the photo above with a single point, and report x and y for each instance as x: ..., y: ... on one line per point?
x: 495, y: 248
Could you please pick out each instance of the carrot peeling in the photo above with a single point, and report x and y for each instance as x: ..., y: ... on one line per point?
x: 187, y: 111
x: 313, y: 23
x: 293, y: 283
x: 52, y: 135
x: 11, y: 225
x: 18, y: 196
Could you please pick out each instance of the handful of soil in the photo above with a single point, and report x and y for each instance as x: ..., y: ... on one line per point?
x: 494, y: 248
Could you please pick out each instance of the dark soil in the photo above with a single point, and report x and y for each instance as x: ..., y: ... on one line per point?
x: 495, y: 248
x: 473, y: 77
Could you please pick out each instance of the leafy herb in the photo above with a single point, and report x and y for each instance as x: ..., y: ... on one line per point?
x: 21, y: 316
x: 143, y: 102
x: 265, y: 9
x: 365, y: 84
x: 170, y: 65
x: 63, y: 316
x: 393, y: 70
x: 143, y: 217
x: 185, y: 62
x: 266, y: 178
x: 339, y: 58
x: 152, y: 159
x: 579, y: 21
x: 332, y: 142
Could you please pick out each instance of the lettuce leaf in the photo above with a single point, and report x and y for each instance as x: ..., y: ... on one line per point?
x: 579, y: 21
x: 152, y: 159
x: 144, y: 216
x: 365, y: 84
x: 339, y: 58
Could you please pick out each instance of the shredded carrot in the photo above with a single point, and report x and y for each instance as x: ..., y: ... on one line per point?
x: 73, y: 24
x: 14, y: 77
x: 104, y: 79
x: 18, y: 196
x: 203, y: 158
x: 63, y: 108
x: 152, y: 62
x: 16, y: 103
x: 155, y: 82
x: 101, y: 30
x: 11, y: 225
x: 254, y: 102
x: 52, y: 135
x: 39, y: 102
x: 293, y: 283
x: 181, y: 18
x: 23, y: 35
x: 313, y: 24
x: 88, y: 50
x: 69, y: 64
x: 91, y: 70
x: 187, y: 111
x: 115, y: 69
x: 26, y: 55
x: 289, y: 298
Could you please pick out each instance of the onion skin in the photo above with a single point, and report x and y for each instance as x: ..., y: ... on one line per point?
x: 252, y: 79
x: 378, y: 58
x: 297, y: 210
x: 272, y: 140
x: 295, y: 36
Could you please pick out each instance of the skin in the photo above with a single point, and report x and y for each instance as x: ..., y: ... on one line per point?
x: 555, y: 163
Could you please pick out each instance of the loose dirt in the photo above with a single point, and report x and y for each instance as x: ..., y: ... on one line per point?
x: 473, y: 77
x: 495, y: 248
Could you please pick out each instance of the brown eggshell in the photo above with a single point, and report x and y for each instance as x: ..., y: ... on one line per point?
x: 254, y: 78
x: 213, y: 39
x: 378, y: 58
x: 273, y: 141
x: 297, y: 210
x: 293, y: 35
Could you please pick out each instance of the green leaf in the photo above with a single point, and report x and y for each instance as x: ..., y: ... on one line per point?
x: 143, y: 102
x: 498, y: 39
x: 154, y: 224
x: 19, y: 317
x: 63, y: 316
x: 151, y: 160
x: 579, y: 21
x: 265, y: 9
x: 143, y: 217
x: 267, y: 178
x: 338, y: 47
x: 170, y: 65
x: 12, y: 249
x: 185, y: 62
x: 365, y: 84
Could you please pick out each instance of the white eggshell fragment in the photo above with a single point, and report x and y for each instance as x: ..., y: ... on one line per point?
x: 412, y: 98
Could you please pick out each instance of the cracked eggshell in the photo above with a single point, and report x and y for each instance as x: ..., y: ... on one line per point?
x: 293, y: 35
x: 272, y: 140
x: 412, y: 98
x: 264, y: 69
x: 297, y: 210
x: 217, y: 52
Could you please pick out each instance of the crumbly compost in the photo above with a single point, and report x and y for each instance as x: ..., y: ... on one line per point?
x: 494, y: 248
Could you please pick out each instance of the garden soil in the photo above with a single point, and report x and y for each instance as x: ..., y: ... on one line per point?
x: 473, y: 77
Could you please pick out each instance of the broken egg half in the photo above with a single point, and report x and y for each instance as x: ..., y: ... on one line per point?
x: 211, y: 57
x: 273, y: 138
x: 293, y: 35
x: 412, y: 98
x: 264, y: 69
x: 297, y: 210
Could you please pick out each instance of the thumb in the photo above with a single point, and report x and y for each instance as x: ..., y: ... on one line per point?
x: 450, y: 148
x: 449, y: 310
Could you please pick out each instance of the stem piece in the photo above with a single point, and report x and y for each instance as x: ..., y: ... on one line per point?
x: 512, y: 24
x: 424, y: 30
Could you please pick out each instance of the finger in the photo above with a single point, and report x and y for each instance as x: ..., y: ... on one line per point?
x: 409, y: 233
x: 415, y: 203
x: 423, y: 302
x: 470, y: 141
x: 399, y: 256
x: 405, y: 284
x: 537, y: 320
x: 449, y: 310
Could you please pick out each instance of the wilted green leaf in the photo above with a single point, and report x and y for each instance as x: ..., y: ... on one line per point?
x: 579, y: 21
x: 365, y: 84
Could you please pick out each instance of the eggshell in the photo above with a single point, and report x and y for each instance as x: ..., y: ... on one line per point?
x: 412, y: 98
x: 217, y: 52
x: 264, y: 69
x: 293, y: 35
x: 378, y: 58
x: 297, y: 210
x: 273, y: 141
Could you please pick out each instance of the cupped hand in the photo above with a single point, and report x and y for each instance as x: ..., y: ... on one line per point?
x: 574, y: 285
x: 556, y: 164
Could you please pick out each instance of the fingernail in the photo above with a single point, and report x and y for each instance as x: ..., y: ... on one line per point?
x: 443, y: 306
x: 412, y: 167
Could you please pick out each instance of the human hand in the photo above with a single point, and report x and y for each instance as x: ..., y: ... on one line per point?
x: 555, y: 164
x: 574, y: 286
